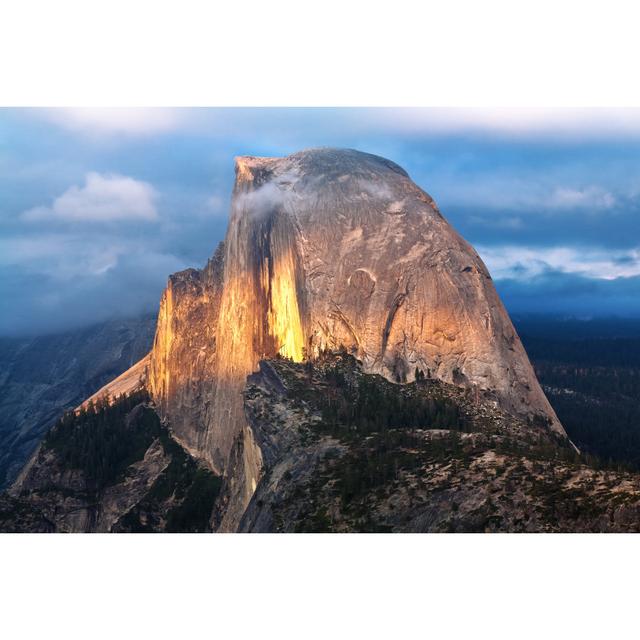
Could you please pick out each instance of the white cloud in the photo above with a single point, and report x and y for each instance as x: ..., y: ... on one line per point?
x: 526, y: 122
x: 83, y: 255
x: 102, y: 121
x: 103, y: 198
x: 523, y: 263
x: 590, y: 197
x: 262, y: 200
x: 275, y: 193
x: 62, y: 256
x: 527, y: 194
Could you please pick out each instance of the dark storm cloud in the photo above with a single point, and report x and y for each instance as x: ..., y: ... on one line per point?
x: 570, y: 294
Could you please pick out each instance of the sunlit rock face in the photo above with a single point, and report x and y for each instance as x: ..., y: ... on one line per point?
x: 378, y: 269
x: 325, y: 248
x: 182, y: 367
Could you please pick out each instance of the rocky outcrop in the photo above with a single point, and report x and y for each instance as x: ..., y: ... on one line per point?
x: 110, y: 468
x: 42, y: 377
x: 331, y: 465
x: 132, y: 380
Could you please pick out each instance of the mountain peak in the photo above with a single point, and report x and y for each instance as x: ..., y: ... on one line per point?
x: 329, y: 249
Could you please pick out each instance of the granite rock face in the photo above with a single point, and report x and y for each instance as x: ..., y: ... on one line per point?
x: 325, y: 248
x: 328, y: 248
x: 184, y: 359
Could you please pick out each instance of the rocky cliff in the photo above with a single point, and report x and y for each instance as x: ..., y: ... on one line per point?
x: 346, y: 451
x: 112, y: 467
x: 183, y: 367
x: 325, y: 248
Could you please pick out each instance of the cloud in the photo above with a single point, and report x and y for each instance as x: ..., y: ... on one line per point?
x: 271, y: 195
x: 61, y: 256
x: 262, y: 200
x: 103, y: 198
x: 557, y: 123
x: 523, y: 263
x: 529, y: 193
x: 571, y: 294
x: 58, y: 280
x: 591, y: 197
x: 105, y: 121
x: 330, y: 125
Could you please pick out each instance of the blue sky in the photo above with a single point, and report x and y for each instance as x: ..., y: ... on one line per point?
x: 98, y: 207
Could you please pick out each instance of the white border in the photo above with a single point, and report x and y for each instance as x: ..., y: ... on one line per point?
x: 318, y: 586
x: 285, y: 52
x: 490, y: 53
